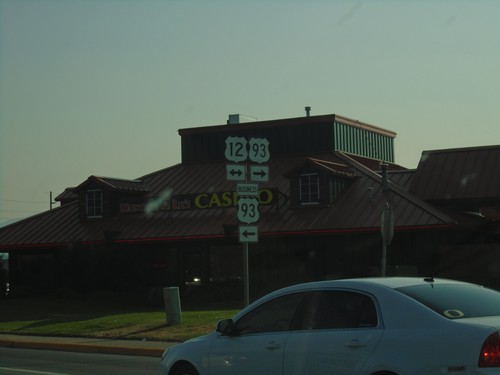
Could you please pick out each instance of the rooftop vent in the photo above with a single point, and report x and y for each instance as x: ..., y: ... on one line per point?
x: 308, y: 111
x: 239, y: 118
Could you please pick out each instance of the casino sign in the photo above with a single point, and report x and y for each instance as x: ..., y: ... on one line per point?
x: 201, y: 201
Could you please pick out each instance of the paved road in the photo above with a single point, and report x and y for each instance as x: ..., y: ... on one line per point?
x: 48, y: 362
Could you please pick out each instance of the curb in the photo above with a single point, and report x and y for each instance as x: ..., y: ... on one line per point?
x: 101, y: 347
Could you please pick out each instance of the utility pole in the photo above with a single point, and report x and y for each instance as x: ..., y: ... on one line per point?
x: 51, y: 202
x: 387, y: 221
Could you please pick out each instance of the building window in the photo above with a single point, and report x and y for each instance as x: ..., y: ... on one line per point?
x: 336, y: 187
x: 309, y: 188
x: 95, y: 203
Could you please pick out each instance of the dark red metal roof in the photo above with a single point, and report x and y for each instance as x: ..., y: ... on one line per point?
x: 115, y: 184
x: 358, y: 208
x: 68, y: 195
x: 401, y: 178
x: 458, y: 174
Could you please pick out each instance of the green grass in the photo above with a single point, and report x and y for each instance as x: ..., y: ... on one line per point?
x: 134, y: 325
x: 110, y: 315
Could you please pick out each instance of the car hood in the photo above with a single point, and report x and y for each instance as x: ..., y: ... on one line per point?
x: 488, y: 321
x: 201, y: 338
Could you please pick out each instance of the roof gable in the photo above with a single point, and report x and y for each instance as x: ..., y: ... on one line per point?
x: 408, y: 209
x: 327, y: 166
x: 114, y: 184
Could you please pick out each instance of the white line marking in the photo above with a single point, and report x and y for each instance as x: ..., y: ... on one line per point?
x: 31, y: 371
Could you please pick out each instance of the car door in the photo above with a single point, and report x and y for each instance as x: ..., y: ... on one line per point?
x: 339, y: 330
x: 258, y: 344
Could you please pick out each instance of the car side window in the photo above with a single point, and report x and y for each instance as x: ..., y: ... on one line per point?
x: 340, y: 310
x: 275, y: 315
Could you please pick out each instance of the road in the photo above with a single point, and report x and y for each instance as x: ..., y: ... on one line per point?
x: 47, y: 362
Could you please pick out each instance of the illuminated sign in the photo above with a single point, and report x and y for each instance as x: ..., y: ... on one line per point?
x: 202, y: 201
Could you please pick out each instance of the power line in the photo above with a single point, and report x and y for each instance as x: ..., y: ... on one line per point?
x: 21, y: 211
x: 17, y: 201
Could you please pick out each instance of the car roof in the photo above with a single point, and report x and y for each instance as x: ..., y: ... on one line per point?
x: 389, y: 282
x: 361, y: 283
x: 366, y: 284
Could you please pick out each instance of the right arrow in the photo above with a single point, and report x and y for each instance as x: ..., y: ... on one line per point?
x: 259, y: 173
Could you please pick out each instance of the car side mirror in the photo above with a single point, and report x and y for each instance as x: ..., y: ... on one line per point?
x: 226, y: 327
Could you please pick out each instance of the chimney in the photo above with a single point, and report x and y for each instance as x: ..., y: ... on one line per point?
x: 239, y: 119
x: 233, y: 119
x: 308, y: 111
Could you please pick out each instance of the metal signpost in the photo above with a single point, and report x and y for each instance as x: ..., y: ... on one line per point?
x: 387, y: 229
x: 387, y: 221
x: 238, y: 150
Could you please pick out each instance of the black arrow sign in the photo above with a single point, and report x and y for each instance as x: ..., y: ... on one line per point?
x: 247, y: 233
x: 235, y: 172
x: 260, y: 173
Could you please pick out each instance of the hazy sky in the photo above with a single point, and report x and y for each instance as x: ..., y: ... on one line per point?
x: 100, y: 87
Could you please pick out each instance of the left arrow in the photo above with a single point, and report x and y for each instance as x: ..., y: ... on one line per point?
x: 249, y: 233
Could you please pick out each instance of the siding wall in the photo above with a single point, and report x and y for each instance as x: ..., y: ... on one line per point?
x: 363, y: 142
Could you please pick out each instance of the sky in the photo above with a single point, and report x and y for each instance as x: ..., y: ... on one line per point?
x: 101, y: 87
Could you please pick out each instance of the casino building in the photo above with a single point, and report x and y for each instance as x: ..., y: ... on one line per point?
x: 314, y: 194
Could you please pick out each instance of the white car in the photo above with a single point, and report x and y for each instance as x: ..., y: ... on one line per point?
x: 378, y: 326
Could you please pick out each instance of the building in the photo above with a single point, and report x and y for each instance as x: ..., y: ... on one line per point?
x: 327, y: 182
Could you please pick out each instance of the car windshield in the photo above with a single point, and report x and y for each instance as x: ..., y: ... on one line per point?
x: 456, y: 301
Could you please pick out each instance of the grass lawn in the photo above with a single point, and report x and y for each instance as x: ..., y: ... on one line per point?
x: 95, y: 319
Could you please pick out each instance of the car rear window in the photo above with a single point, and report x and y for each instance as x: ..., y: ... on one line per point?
x: 456, y: 301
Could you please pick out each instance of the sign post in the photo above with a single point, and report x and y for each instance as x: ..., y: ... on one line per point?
x: 238, y: 150
x: 387, y: 229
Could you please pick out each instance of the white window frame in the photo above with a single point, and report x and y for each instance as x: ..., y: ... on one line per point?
x: 95, y: 206
x: 311, y: 183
